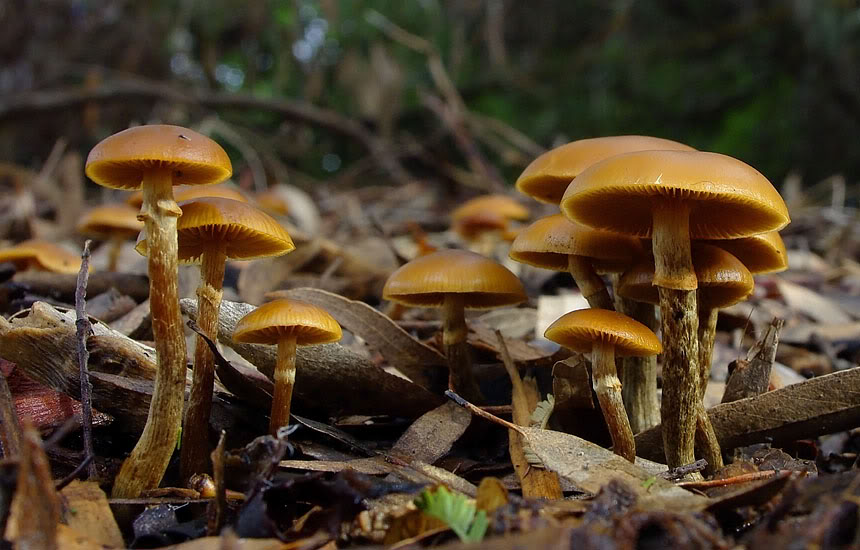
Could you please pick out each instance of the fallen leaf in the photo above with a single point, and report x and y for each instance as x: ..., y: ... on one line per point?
x: 431, y: 436
x: 811, y: 303
x: 88, y: 513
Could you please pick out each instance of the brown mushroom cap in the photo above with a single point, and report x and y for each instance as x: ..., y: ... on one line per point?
x: 272, y: 201
x: 580, y: 329
x: 723, y: 279
x: 247, y: 232
x: 274, y: 320
x: 481, y: 282
x: 549, y: 241
x: 728, y: 198
x: 764, y: 253
x: 41, y: 255
x: 474, y: 225
x: 547, y: 177
x: 120, y: 160
x: 189, y: 193
x: 111, y: 220
x: 502, y: 205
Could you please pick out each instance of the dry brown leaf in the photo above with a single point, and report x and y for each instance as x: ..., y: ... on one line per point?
x: 806, y: 332
x: 431, y: 436
x: 811, y: 303
x: 87, y: 511
x: 492, y: 495
x: 483, y: 338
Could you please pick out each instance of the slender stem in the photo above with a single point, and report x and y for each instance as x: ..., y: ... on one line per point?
x: 707, y: 333
x: 706, y: 440
x: 461, y: 379
x: 146, y: 465
x: 115, y: 243
x: 82, y: 333
x: 607, y: 386
x: 639, y: 374
x: 285, y: 379
x: 589, y: 282
x: 194, y: 456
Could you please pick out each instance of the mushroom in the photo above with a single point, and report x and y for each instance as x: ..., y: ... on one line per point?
x: 189, y: 193
x: 484, y: 221
x: 272, y: 201
x: 116, y: 223
x: 154, y: 158
x: 673, y: 196
x: 42, y: 256
x: 455, y: 280
x: 547, y: 177
x: 210, y: 231
x: 606, y: 334
x: 763, y: 253
x: 723, y: 281
x: 286, y: 323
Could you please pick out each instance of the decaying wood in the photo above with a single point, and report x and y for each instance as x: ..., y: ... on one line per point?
x: 329, y: 377
x: 751, y: 376
x: 819, y: 406
x: 63, y: 286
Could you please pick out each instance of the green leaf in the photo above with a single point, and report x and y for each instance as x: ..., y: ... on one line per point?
x: 456, y: 511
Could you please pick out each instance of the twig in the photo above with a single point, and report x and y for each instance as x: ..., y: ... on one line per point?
x: 483, y: 414
x: 87, y: 461
x: 683, y: 471
x: 217, y: 126
x: 734, y: 480
x: 751, y: 377
x: 83, y: 330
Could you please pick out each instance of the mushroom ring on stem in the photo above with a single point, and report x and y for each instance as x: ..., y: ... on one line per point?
x: 211, y: 231
x: 673, y: 196
x: 155, y: 158
x: 286, y: 323
x: 606, y: 334
x: 455, y: 280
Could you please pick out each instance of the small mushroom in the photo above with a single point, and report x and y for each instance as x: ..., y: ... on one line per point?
x: 154, y: 158
x: 763, y: 253
x: 485, y: 221
x: 455, y: 280
x: 606, y: 334
x: 286, y: 323
x: 210, y: 231
x: 115, y: 223
x: 41, y: 256
x: 673, y: 196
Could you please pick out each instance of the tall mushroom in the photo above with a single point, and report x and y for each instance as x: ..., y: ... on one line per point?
x: 455, y: 280
x: 116, y: 223
x: 155, y: 158
x: 210, y: 231
x: 673, y: 196
x: 286, y: 323
x: 606, y: 334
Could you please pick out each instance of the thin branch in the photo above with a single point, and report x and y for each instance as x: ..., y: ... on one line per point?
x: 83, y: 330
x: 453, y: 396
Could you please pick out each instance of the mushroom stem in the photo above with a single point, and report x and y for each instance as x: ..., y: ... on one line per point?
x: 285, y: 379
x: 639, y: 374
x: 146, y: 464
x: 194, y: 455
x: 589, y: 282
x: 707, y: 333
x: 607, y: 386
x: 115, y: 248
x: 706, y: 441
x: 460, y: 376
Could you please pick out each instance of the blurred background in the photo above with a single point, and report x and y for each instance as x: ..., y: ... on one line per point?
x: 463, y: 92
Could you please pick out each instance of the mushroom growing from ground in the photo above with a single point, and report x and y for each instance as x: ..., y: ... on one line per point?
x: 548, y: 176
x: 673, y: 196
x: 606, y: 334
x: 455, y: 280
x: 42, y: 256
x: 212, y: 230
x: 115, y: 223
x: 155, y: 158
x: 722, y: 281
x: 484, y: 221
x: 286, y: 323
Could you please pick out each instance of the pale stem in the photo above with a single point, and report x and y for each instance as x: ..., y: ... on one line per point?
x: 285, y: 380
x: 460, y: 376
x: 639, y: 374
x: 607, y: 386
x: 115, y: 248
x: 590, y: 284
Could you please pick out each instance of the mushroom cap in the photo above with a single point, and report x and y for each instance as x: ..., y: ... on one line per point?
x: 727, y: 198
x: 120, y: 161
x: 549, y: 241
x: 188, y: 193
x: 503, y: 205
x: 764, y: 253
x: 272, y: 201
x: 474, y: 225
x: 580, y: 329
x: 272, y: 321
x: 547, y: 177
x: 41, y: 255
x: 246, y: 231
x: 723, y: 279
x: 480, y: 281
x: 111, y: 220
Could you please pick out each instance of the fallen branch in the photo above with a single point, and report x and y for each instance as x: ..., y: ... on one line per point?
x: 83, y: 328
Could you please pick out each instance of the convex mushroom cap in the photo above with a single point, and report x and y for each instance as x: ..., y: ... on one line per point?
x: 245, y: 231
x: 481, y: 282
x: 501, y: 205
x: 547, y: 177
x: 580, y: 329
x: 272, y: 321
x: 111, y: 220
x: 42, y: 256
x: 764, y: 253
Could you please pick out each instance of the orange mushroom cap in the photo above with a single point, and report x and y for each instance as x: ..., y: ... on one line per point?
x: 547, y: 177
x: 480, y: 281
x: 41, y: 255
x: 246, y: 231
x: 580, y: 329
x: 764, y: 253
x: 189, y: 193
x: 272, y: 201
x: 111, y: 220
x: 727, y: 198
x: 120, y: 161
x: 474, y: 225
x: 723, y: 279
x: 272, y: 321
x: 501, y: 205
